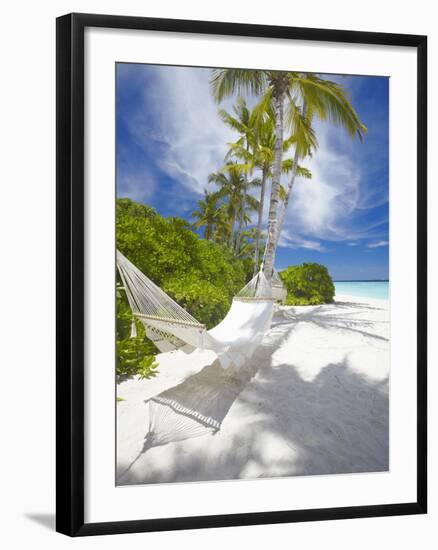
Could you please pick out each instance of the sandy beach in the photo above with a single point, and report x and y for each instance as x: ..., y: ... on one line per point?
x: 313, y: 400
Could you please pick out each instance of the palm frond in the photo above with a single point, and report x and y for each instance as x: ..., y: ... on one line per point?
x: 287, y: 165
x: 300, y: 126
x: 232, y: 122
x: 329, y: 101
x: 252, y: 202
x: 227, y: 82
x: 304, y: 172
x: 263, y: 113
x: 282, y: 193
x: 241, y: 168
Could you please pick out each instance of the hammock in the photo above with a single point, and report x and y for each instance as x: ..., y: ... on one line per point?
x: 171, y: 327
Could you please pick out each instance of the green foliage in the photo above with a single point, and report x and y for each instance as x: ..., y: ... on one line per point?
x: 201, y: 275
x: 308, y: 284
x: 134, y: 355
x: 133, y: 358
x: 127, y: 207
x: 212, y: 216
x: 205, y: 301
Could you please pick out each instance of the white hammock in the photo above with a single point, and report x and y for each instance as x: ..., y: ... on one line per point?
x: 171, y: 327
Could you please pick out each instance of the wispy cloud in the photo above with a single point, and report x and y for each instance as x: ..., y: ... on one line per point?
x: 335, y: 204
x: 287, y: 240
x: 136, y: 186
x: 191, y: 138
x: 175, y: 123
x: 378, y: 244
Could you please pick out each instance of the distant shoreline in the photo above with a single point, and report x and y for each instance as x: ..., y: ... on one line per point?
x: 361, y: 280
x: 378, y: 289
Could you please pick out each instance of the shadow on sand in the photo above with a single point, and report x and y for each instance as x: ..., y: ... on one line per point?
x: 199, y: 404
x: 319, y: 422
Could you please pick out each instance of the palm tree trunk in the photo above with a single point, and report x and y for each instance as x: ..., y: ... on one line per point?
x: 290, y: 187
x: 275, y: 191
x: 240, y: 224
x: 259, y: 222
x: 242, y: 210
x: 286, y: 200
x: 233, y: 221
x: 208, y: 232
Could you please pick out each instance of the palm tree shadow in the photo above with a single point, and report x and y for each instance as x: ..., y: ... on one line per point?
x: 199, y: 405
x: 338, y: 421
x: 335, y: 423
x: 320, y: 317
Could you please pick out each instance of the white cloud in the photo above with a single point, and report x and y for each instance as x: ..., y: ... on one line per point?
x: 331, y: 205
x: 292, y: 241
x: 136, y: 184
x: 378, y: 244
x: 192, y: 138
x: 192, y: 142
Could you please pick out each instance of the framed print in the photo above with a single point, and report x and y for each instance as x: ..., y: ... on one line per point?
x: 241, y: 274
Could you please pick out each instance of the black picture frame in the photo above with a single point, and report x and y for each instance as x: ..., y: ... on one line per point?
x: 70, y: 273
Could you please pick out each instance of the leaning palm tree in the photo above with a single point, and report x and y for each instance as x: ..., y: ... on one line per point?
x: 208, y: 214
x: 261, y: 156
x: 248, y: 205
x: 243, y: 122
x: 323, y: 99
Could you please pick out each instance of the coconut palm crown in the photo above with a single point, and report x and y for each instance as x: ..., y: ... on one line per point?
x: 305, y: 96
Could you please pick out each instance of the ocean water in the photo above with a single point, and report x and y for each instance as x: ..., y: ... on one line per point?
x: 364, y: 289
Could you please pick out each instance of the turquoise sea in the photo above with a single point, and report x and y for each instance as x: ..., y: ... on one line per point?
x: 364, y: 289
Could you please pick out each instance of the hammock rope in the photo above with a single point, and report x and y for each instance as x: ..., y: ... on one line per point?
x: 171, y: 327
x: 146, y: 298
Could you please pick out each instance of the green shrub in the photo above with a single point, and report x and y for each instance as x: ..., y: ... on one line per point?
x: 308, y: 284
x: 201, y: 275
x: 134, y: 355
x: 205, y: 301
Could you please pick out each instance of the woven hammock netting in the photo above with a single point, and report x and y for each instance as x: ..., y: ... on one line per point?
x: 171, y: 327
x: 199, y: 404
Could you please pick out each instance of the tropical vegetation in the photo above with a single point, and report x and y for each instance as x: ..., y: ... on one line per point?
x: 200, y: 274
x: 295, y: 101
x: 203, y: 263
x: 307, y: 284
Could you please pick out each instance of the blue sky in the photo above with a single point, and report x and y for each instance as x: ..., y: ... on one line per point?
x: 169, y: 138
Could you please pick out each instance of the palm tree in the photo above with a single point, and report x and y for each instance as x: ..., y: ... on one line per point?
x: 324, y: 99
x: 285, y: 194
x: 233, y: 188
x: 249, y: 237
x: 248, y: 205
x: 264, y: 158
x: 247, y: 202
x: 208, y: 215
x: 231, y: 184
x: 261, y: 155
x: 243, y: 122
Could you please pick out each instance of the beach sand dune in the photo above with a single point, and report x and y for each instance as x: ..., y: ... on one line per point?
x: 313, y: 400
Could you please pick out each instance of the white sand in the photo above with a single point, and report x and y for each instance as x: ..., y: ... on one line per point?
x: 313, y: 400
